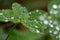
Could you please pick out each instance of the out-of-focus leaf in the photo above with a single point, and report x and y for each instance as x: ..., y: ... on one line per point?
x: 3, y: 35
x: 17, y: 35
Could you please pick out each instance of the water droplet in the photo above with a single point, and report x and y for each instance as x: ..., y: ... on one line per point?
x: 55, y: 6
x: 45, y: 21
x: 55, y: 12
x: 55, y: 32
x: 51, y: 25
x: 1, y: 13
x: 59, y: 36
x: 6, y: 20
x: 37, y: 10
x: 50, y: 21
x: 51, y: 11
x: 29, y: 13
x: 37, y: 31
x: 36, y: 26
x: 36, y: 21
x: 57, y: 28
x: 41, y: 18
x: 50, y: 31
x: 12, y: 17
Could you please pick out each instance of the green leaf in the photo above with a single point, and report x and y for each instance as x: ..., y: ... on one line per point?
x: 36, y: 21
x: 3, y: 35
x: 18, y: 13
x: 8, y: 15
x: 2, y: 18
x: 17, y: 35
x: 55, y: 30
x: 54, y: 10
x: 21, y: 12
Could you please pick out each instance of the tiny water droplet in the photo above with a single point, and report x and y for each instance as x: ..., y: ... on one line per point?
x: 12, y: 17
x: 1, y: 13
x: 55, y: 6
x: 37, y: 10
x: 37, y: 31
x: 57, y: 28
x: 45, y: 21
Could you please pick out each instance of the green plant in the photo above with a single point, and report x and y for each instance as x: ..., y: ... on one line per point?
x: 39, y: 24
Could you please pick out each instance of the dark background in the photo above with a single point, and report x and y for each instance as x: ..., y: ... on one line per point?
x: 29, y: 4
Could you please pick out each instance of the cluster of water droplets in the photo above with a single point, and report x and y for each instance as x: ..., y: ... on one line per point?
x: 54, y: 29
x: 38, y: 20
x: 8, y: 15
x: 47, y: 21
x: 15, y: 15
x: 54, y: 10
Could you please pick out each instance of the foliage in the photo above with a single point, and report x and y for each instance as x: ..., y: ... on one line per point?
x: 40, y: 25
